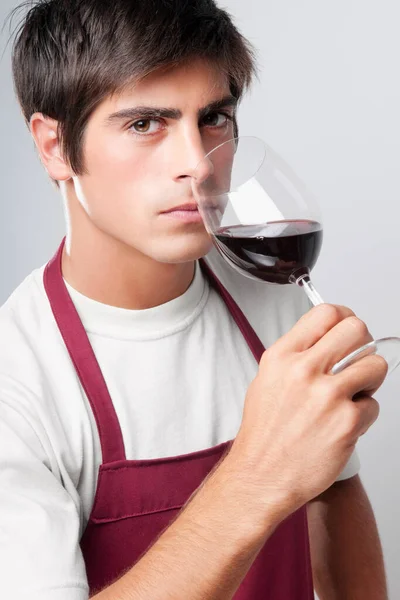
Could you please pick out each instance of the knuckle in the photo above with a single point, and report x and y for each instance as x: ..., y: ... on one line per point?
x: 308, y: 364
x: 302, y: 369
x: 376, y: 408
x: 381, y: 366
x: 347, y: 312
x: 360, y: 418
x: 333, y: 313
x: 370, y: 413
x: 359, y: 327
x: 329, y: 312
x: 330, y: 391
x: 271, y: 354
x: 351, y: 422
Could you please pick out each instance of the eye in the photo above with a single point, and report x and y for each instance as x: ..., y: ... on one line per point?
x: 216, y: 119
x: 145, y: 126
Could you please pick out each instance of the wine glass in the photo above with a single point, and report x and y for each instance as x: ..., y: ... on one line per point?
x: 266, y: 224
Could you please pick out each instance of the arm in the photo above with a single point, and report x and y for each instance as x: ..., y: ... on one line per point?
x: 207, y: 551
x: 39, y: 520
x: 345, y: 548
x: 298, y: 430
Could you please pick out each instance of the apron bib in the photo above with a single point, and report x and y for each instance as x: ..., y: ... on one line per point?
x: 137, y: 499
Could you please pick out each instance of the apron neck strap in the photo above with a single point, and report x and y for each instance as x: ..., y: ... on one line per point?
x: 80, y: 350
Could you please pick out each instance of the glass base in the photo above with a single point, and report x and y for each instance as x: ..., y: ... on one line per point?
x: 388, y: 348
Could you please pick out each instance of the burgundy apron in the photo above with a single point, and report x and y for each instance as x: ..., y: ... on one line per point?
x: 136, y: 499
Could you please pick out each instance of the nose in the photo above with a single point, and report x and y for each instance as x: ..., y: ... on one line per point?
x: 190, y: 160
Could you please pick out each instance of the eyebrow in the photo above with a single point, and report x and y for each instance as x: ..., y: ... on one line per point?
x: 150, y: 112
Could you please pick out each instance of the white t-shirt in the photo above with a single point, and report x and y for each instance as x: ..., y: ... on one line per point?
x: 177, y: 374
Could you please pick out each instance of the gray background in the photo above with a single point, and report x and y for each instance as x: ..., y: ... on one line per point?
x: 327, y: 101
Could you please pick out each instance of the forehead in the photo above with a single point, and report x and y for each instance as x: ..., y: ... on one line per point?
x: 185, y: 87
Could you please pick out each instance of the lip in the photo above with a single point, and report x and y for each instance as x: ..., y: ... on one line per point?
x: 187, y: 213
x: 182, y: 207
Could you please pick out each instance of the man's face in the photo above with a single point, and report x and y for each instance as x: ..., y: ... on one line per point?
x: 141, y: 148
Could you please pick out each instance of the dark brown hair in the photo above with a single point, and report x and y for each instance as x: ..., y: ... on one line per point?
x: 69, y: 55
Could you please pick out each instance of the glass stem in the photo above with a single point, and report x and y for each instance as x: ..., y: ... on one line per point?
x: 305, y: 282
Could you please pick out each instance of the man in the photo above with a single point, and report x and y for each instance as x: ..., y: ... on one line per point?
x: 144, y: 453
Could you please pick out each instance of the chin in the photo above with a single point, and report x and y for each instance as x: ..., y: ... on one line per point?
x: 185, y: 249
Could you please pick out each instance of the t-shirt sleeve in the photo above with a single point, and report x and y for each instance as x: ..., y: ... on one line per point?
x: 40, y: 556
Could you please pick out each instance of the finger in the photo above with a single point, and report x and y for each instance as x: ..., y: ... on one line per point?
x: 365, y: 375
x: 313, y: 326
x: 368, y: 412
x: 345, y: 337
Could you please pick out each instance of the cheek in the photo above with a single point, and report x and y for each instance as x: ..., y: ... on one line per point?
x: 115, y: 159
x: 130, y: 176
x: 119, y: 175
x: 121, y: 190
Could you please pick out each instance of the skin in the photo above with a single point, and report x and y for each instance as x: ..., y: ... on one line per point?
x: 346, y: 552
x: 300, y: 424
x: 149, y: 256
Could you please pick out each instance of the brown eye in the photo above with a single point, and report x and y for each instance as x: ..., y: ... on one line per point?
x: 142, y: 126
x: 145, y: 126
x: 216, y: 120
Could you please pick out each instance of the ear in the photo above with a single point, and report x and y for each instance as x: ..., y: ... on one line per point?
x: 44, y: 132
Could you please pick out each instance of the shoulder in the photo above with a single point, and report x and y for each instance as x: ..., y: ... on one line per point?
x: 39, y: 388
x: 24, y: 320
x: 21, y: 313
x: 31, y: 348
x: 272, y: 310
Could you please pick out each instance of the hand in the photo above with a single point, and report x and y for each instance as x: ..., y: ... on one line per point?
x: 301, y: 423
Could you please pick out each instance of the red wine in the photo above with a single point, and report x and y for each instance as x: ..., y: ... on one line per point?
x: 271, y: 252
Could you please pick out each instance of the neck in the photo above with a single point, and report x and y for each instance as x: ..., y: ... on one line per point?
x: 109, y: 271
